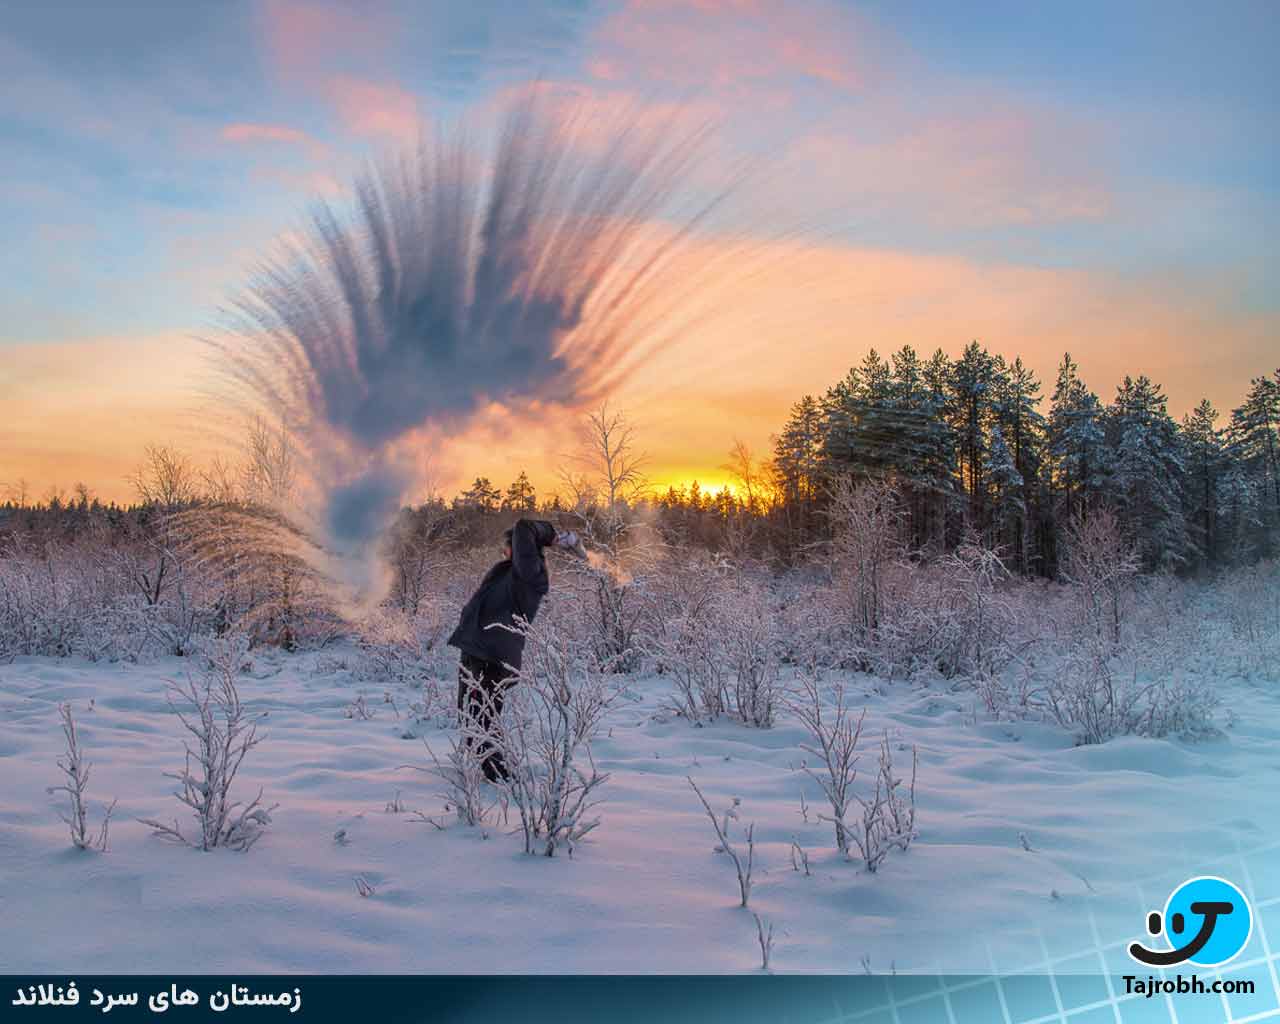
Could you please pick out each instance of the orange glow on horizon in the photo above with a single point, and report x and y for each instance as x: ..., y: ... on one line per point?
x: 84, y: 410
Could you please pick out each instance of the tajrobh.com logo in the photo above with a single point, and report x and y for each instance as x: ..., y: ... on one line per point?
x: 1207, y: 922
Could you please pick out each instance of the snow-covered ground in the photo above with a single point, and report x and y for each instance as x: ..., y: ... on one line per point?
x: 1110, y: 828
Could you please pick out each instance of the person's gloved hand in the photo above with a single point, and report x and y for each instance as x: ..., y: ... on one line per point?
x: 567, y: 539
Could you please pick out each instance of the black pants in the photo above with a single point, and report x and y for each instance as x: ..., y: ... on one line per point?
x: 480, y: 703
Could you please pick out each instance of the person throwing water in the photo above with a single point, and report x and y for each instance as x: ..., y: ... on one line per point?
x: 490, y: 653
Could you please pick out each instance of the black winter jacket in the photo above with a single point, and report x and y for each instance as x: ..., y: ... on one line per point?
x: 513, y: 587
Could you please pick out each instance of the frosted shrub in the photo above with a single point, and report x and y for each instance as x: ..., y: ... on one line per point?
x: 1097, y: 695
x: 747, y: 625
x: 545, y: 736
x: 1251, y: 602
x: 1100, y: 564
x: 76, y: 770
x: 920, y: 628
x: 978, y: 614
x: 947, y: 617
x: 461, y: 772
x: 889, y: 816
x: 408, y: 648
x: 806, y: 634
x: 835, y: 737
x: 1010, y: 694
x: 684, y: 639
x: 866, y: 540
x: 611, y: 591
x: 251, y: 564
x: 1120, y: 673
x: 221, y: 732
x: 72, y: 600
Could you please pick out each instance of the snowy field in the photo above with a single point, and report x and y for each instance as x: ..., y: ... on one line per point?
x: 1027, y: 843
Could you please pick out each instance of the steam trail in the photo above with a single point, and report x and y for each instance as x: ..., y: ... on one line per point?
x: 535, y: 279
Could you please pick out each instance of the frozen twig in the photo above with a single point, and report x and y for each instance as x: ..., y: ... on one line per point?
x: 765, y: 938
x: 799, y: 857
x: 722, y: 833
x: 76, y: 770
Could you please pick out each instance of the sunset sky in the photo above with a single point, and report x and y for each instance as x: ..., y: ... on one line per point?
x: 1090, y: 176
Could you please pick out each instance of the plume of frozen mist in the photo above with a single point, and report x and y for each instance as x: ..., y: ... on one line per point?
x: 537, y: 279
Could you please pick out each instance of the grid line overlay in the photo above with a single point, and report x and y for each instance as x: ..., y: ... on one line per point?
x: 1192, y: 1008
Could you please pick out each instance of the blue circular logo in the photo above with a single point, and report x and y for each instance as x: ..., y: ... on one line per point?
x: 1187, y: 911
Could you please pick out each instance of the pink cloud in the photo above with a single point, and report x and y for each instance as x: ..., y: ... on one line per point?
x: 242, y: 132
x: 736, y: 46
x: 249, y: 133
x: 337, y: 53
x: 971, y: 158
x: 375, y: 108
x: 305, y: 38
x: 983, y: 162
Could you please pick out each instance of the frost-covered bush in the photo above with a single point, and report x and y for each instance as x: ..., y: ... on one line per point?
x: 461, y: 773
x: 1098, y: 692
x: 866, y: 521
x: 155, y: 584
x: 889, y: 815
x: 1250, y: 599
x: 807, y: 634
x: 834, y: 735
x: 1100, y: 564
x: 746, y: 620
x: 73, y: 600
x: 410, y: 649
x: 682, y: 638
x: 76, y: 770
x: 247, y: 561
x: 611, y: 592
x: 715, y: 632
x: 548, y: 721
x: 222, y: 732
x: 1129, y: 655
x: 977, y: 611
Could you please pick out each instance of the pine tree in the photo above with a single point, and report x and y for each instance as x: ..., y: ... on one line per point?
x: 1255, y: 441
x: 1148, y: 473
x: 926, y: 464
x: 1207, y: 465
x: 971, y: 390
x: 1076, y: 443
x: 1022, y: 428
x: 481, y: 495
x: 1009, y: 509
x: 520, y: 496
x: 884, y: 422
x: 798, y: 467
x: 858, y: 436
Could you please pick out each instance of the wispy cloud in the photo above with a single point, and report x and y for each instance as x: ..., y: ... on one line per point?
x: 736, y: 47
x: 987, y: 163
x: 306, y: 39
x: 375, y: 109
x: 250, y: 133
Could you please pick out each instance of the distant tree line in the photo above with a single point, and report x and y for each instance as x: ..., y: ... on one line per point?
x: 972, y: 446
x: 972, y: 450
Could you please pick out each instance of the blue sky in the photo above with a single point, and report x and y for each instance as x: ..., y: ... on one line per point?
x: 153, y: 151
